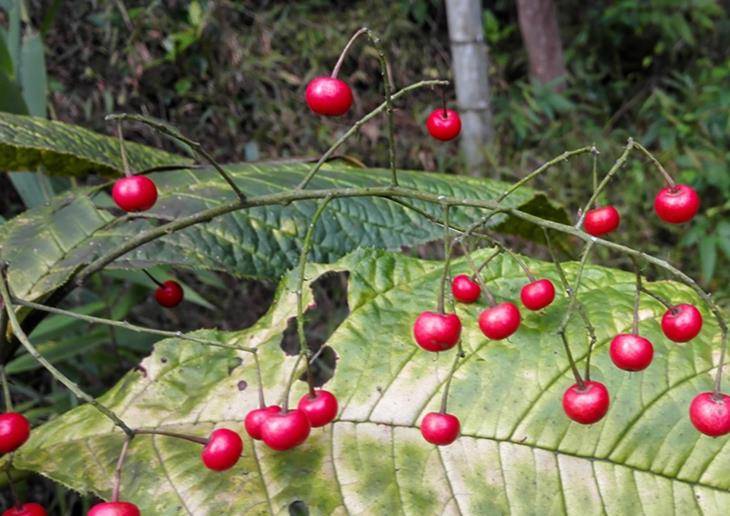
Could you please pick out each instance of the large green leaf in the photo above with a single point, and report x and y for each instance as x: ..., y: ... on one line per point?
x: 45, y: 244
x: 27, y: 142
x: 518, y: 452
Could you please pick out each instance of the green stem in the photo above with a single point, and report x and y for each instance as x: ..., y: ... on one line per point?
x: 447, y: 261
x: 595, y: 153
x: 387, y: 85
x: 637, y: 295
x: 476, y: 273
x: 341, y: 59
x: 6, y: 389
x: 58, y: 375
x: 544, y: 167
x: 670, y: 182
x: 306, y: 246
x: 447, y: 386
x: 357, y: 125
x: 185, y: 437
x: 663, y: 300
x: 128, y: 326
x: 571, y: 361
x: 576, y: 285
x: 123, y: 151
x: 294, y: 373
x: 177, y: 135
x: 118, y: 470
x: 612, y: 172
x: 590, y: 330
x: 262, y: 400
x: 152, y: 278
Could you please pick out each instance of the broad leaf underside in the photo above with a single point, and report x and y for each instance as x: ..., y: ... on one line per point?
x: 43, y: 246
x: 518, y: 452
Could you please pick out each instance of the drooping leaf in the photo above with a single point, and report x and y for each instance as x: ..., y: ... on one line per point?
x: 518, y: 453
x: 63, y: 149
x: 43, y: 246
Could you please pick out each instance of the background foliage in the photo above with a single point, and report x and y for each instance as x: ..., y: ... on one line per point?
x: 232, y: 75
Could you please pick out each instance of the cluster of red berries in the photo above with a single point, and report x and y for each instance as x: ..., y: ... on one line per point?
x: 674, y: 204
x: 436, y: 332
x: 330, y: 96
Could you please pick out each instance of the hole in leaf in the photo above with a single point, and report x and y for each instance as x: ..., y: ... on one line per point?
x: 298, y: 508
x: 320, y: 321
x: 242, y: 385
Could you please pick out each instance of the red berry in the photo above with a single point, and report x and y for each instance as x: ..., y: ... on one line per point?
x: 681, y: 323
x: 285, y: 430
x: 631, y: 352
x: 320, y: 409
x: 440, y: 429
x: 169, y: 294
x: 465, y: 289
x: 538, y: 294
x: 709, y: 414
x: 14, y: 431
x: 677, y: 205
x: 444, y: 124
x: 255, y: 419
x: 500, y: 321
x: 28, y: 509
x: 114, y: 509
x: 587, y: 405
x: 134, y: 193
x: 600, y: 221
x: 328, y: 96
x: 223, y: 450
x: 437, y: 332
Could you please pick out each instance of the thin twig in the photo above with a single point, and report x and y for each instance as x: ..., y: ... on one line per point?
x: 447, y: 261
x: 129, y: 326
x: 58, y: 375
x: 445, y: 395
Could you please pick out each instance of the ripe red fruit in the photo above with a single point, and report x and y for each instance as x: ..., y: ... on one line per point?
x: 631, y: 352
x: 223, y: 450
x: 255, y: 418
x: 134, y: 193
x: 443, y: 124
x: 600, y: 221
x: 169, y: 294
x: 676, y: 205
x: 320, y: 409
x: 285, y: 430
x: 27, y: 509
x: 437, y: 332
x: 14, y: 431
x: 681, y: 323
x: 114, y: 509
x: 711, y: 415
x: 465, y: 289
x: 588, y: 405
x: 328, y: 96
x: 500, y: 321
x: 538, y: 294
x: 440, y: 429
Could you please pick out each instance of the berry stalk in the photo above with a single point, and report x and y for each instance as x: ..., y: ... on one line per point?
x: 177, y: 135
x: 447, y: 385
x: 447, y: 261
x: 345, y: 50
x: 306, y: 246
x: 118, y: 469
x: 128, y: 326
x: 590, y: 330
